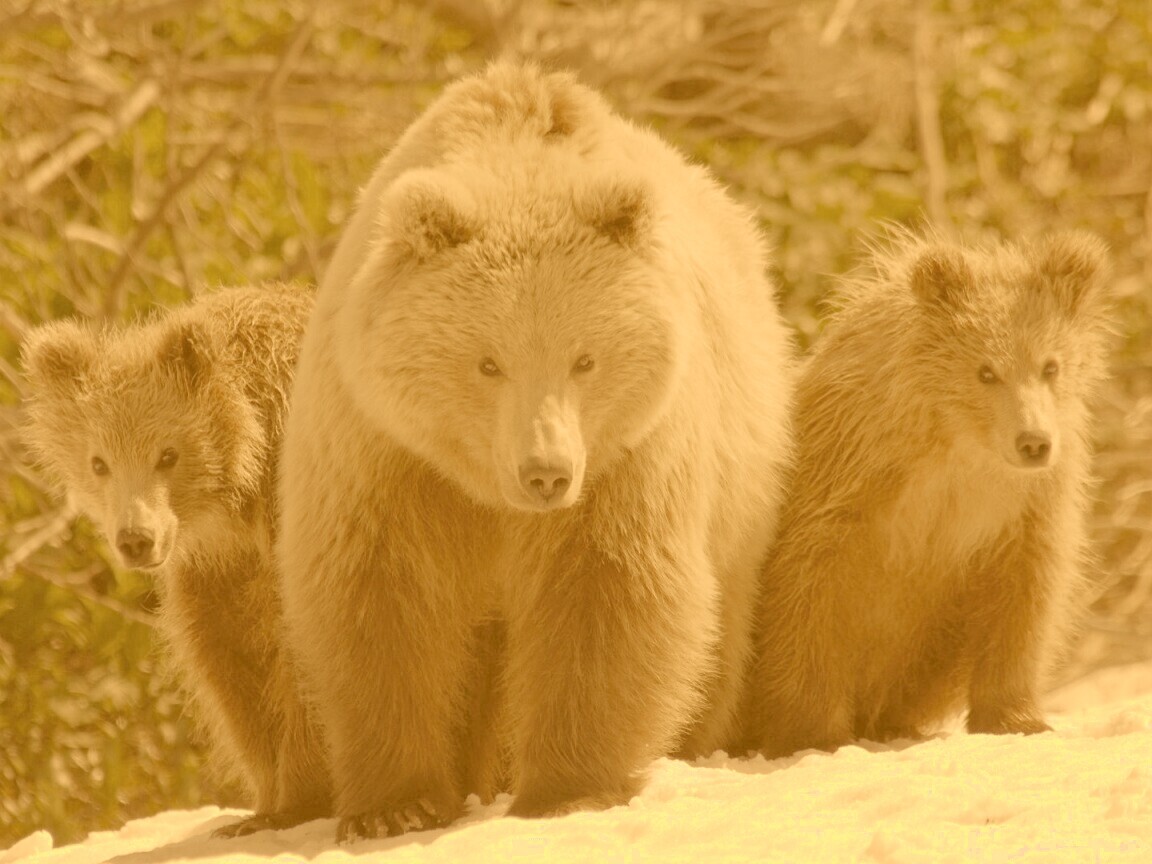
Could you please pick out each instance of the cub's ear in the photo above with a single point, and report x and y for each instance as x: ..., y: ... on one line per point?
x: 427, y: 214
x: 621, y: 210
x: 941, y: 276
x: 57, y: 356
x: 185, y: 352
x: 1076, y: 267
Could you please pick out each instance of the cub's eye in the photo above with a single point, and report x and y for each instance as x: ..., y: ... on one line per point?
x: 987, y: 376
x: 99, y: 466
x: 1050, y: 369
x: 167, y: 458
x: 584, y: 364
x: 488, y: 367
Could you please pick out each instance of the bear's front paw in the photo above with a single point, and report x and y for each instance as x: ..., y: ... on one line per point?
x: 277, y: 821
x: 419, y: 815
x: 242, y: 828
x: 1005, y: 723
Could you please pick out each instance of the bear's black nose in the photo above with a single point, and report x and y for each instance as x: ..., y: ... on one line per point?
x: 1034, y: 448
x: 135, y: 545
x: 544, y: 481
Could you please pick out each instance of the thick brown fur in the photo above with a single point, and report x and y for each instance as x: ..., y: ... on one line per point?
x: 929, y: 552
x: 530, y: 284
x: 167, y: 435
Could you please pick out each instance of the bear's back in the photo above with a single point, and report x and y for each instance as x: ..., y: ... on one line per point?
x: 258, y: 331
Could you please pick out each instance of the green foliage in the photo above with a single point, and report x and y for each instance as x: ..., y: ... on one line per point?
x: 816, y: 205
x: 90, y: 732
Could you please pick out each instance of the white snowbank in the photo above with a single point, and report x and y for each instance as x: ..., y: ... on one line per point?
x: 1080, y: 794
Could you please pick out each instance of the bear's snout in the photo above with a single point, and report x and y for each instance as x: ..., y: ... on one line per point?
x: 1029, y: 422
x: 546, y: 482
x: 544, y: 469
x: 135, y: 546
x: 1034, y: 449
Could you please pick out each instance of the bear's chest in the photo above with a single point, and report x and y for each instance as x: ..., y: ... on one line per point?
x: 946, y: 513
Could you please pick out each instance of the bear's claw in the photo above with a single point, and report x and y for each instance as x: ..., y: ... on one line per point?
x: 419, y: 815
x: 1006, y: 724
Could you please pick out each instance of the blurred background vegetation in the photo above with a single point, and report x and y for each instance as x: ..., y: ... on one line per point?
x: 152, y: 147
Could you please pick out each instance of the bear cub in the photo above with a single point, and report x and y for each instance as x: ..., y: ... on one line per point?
x: 929, y: 553
x: 166, y: 434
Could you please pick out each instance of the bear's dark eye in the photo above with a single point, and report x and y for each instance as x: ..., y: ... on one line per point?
x: 584, y: 364
x: 488, y: 367
x: 167, y: 458
x: 1050, y: 369
x: 99, y: 466
x: 987, y: 376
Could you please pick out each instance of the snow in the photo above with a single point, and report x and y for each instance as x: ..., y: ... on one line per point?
x: 1082, y: 793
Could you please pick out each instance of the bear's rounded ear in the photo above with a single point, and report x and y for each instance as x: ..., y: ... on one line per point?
x: 621, y: 210
x: 565, y: 115
x: 1075, y: 266
x: 185, y: 352
x: 515, y: 96
x: 57, y: 355
x: 567, y: 103
x: 941, y: 276
x: 427, y: 215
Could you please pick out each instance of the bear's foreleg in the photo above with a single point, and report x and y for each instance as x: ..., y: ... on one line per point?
x: 384, y: 642
x: 1014, y: 601
x: 607, y: 654
x: 224, y: 643
x: 304, y: 789
x: 801, y: 689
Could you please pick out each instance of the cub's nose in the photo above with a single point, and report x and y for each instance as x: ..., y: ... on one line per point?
x: 1034, y: 448
x: 135, y: 545
x: 543, y: 481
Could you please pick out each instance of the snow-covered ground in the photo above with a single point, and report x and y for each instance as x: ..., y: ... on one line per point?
x: 1080, y: 794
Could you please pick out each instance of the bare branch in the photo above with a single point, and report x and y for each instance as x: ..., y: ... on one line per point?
x: 79, y: 584
x: 307, y: 234
x: 52, y: 530
x: 114, y: 298
x: 130, y: 110
x: 928, y: 122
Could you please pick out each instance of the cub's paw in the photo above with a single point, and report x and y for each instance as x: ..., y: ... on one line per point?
x: 266, y: 822
x: 418, y: 815
x: 1005, y: 723
x: 241, y: 829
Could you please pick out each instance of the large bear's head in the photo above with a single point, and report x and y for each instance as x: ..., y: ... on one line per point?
x: 518, y: 331
x: 146, y: 431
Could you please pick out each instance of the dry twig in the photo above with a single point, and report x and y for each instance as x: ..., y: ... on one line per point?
x: 928, y: 122
x: 257, y: 102
x: 52, y: 530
